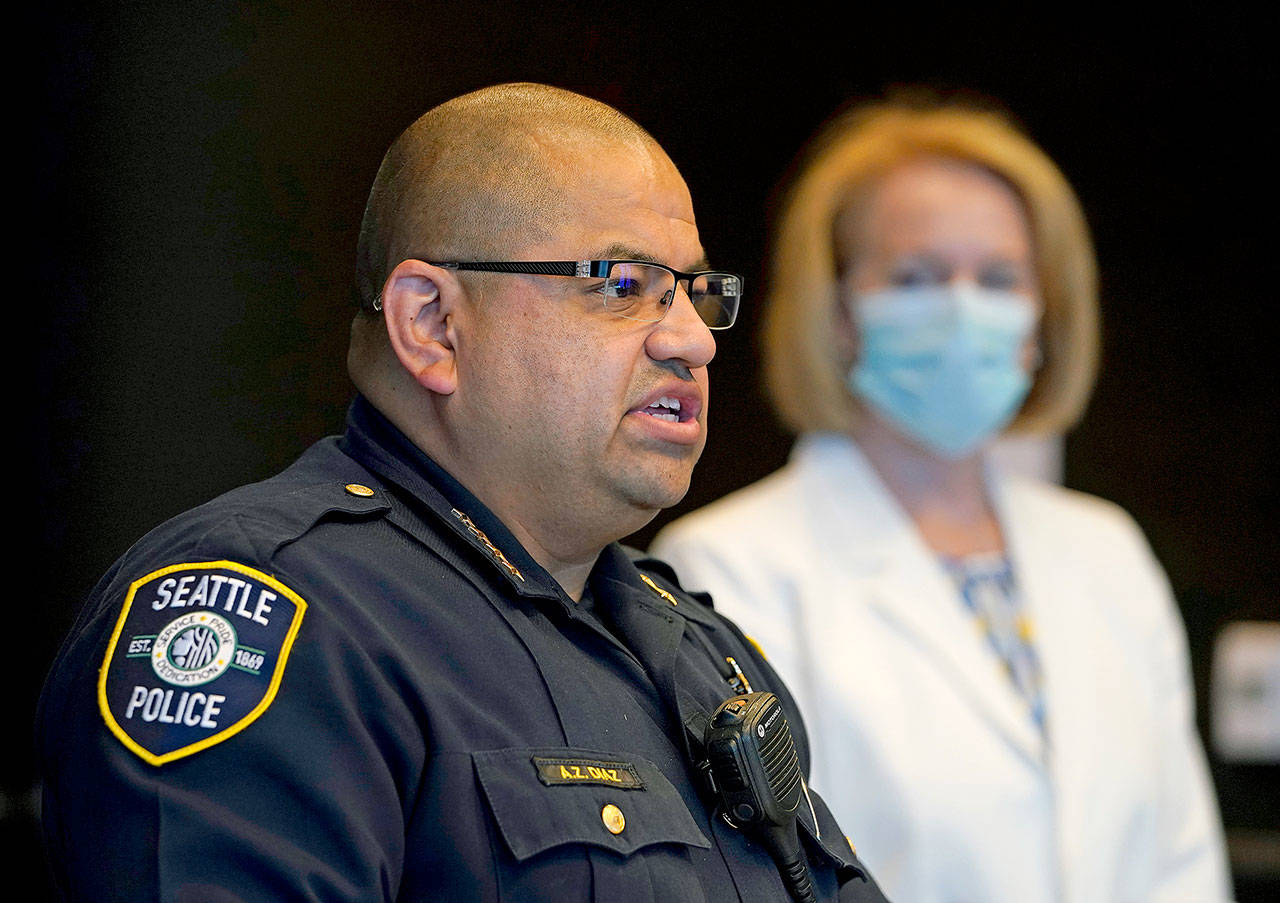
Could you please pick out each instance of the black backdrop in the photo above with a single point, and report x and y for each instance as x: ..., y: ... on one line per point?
x: 183, y: 270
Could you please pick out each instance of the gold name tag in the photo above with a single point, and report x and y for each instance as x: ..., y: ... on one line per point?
x: 552, y: 771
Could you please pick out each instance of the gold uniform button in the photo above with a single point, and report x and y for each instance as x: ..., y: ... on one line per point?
x: 611, y: 815
x: 357, y: 489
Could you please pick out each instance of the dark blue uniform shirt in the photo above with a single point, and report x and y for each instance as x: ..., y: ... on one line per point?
x: 350, y: 682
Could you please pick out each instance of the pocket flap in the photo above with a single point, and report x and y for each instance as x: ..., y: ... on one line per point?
x: 545, y: 797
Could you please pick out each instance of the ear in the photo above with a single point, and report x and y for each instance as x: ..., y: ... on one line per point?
x: 418, y: 304
x: 844, y: 330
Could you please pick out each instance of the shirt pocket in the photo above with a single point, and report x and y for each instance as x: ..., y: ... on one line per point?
x: 580, y: 824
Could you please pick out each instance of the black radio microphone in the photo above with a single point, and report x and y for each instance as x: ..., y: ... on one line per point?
x: 755, y: 774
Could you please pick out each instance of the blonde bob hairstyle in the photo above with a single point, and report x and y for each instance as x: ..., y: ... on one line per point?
x: 806, y: 356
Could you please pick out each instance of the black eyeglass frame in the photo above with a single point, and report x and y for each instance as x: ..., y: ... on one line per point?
x: 583, y: 269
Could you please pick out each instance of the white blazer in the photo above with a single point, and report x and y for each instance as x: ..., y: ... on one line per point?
x: 921, y: 745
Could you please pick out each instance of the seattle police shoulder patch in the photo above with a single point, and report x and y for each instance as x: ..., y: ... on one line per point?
x: 197, y: 655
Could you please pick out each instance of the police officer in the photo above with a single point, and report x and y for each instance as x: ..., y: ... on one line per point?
x: 416, y: 664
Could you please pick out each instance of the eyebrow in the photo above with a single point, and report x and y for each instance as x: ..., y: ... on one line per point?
x: 627, y: 252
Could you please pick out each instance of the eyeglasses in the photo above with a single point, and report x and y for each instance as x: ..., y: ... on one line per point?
x: 634, y: 289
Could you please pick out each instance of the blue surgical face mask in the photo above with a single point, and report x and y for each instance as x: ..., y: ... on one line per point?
x: 943, y: 363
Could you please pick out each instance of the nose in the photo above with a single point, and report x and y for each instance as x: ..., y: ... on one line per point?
x: 681, y: 336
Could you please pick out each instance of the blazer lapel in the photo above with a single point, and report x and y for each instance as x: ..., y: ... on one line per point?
x: 1052, y: 588
x: 882, y: 561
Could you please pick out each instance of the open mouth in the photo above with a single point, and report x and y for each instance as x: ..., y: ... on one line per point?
x: 665, y: 408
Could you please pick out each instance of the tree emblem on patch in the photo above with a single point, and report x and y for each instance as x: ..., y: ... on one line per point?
x: 197, y: 655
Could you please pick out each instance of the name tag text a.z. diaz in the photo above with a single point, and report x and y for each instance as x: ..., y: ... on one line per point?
x: 554, y: 771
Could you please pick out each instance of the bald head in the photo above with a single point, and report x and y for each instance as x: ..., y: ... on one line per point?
x: 481, y: 175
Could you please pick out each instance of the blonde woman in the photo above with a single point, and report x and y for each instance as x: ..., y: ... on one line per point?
x: 993, y: 669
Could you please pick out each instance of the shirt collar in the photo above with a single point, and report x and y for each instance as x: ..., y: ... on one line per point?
x: 374, y: 440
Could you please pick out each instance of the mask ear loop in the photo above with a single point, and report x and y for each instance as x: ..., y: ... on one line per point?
x: 844, y: 323
x: 1037, y: 345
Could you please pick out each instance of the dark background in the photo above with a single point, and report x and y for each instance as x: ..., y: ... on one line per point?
x: 182, y: 277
